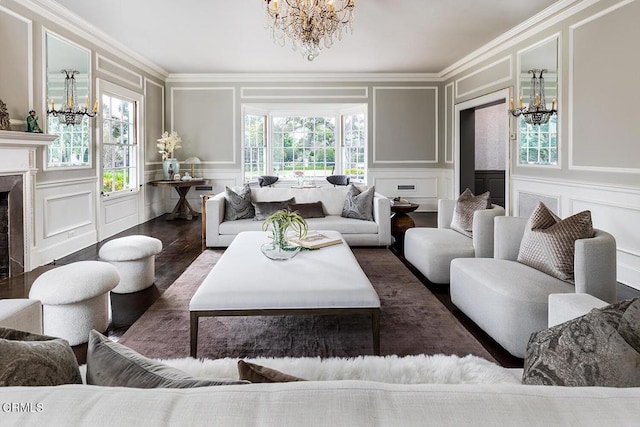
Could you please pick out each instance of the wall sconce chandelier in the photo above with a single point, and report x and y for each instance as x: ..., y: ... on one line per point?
x: 536, y: 113
x: 310, y: 24
x: 73, y: 112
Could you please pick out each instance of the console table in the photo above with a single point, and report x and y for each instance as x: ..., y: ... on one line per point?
x: 182, y: 209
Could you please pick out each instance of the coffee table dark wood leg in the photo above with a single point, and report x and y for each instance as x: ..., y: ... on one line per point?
x: 375, y: 323
x: 194, y: 333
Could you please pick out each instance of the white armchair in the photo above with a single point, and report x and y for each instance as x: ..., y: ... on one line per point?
x: 430, y: 250
x: 509, y: 300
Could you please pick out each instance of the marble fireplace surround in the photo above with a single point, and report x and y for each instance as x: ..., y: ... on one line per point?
x: 12, y: 184
x: 17, y: 177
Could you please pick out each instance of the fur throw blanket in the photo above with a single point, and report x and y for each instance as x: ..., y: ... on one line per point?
x: 420, y: 369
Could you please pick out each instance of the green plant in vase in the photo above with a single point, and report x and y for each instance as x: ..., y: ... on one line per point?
x: 279, y: 223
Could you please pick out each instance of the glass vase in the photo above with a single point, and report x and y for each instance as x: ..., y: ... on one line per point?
x: 170, y: 167
x: 279, y: 248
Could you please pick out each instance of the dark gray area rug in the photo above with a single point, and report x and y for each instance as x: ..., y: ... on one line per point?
x: 412, y: 321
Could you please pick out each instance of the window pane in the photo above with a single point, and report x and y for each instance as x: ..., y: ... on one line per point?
x: 301, y: 145
x: 353, y: 153
x: 119, y: 151
x: 538, y: 143
x: 73, y: 139
x: 254, y: 147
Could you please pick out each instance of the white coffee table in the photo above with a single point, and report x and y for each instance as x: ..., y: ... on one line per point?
x: 327, y: 281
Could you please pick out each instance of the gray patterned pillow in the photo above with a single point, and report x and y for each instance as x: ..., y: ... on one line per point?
x: 238, y: 205
x: 587, y: 351
x: 28, y: 359
x: 112, y: 364
x: 548, y: 243
x: 466, y: 205
x: 264, y: 209
x: 359, y: 204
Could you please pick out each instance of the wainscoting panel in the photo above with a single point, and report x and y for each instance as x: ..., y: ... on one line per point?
x: 17, y: 60
x: 66, y: 212
x: 422, y: 186
x: 116, y: 71
x: 494, y: 74
x: 118, y: 214
x: 119, y: 209
x: 65, y: 219
x: 311, y: 92
x: 614, y: 209
x: 154, y: 197
x: 527, y: 202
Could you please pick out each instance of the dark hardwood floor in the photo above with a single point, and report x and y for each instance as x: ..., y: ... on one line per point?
x: 182, y: 244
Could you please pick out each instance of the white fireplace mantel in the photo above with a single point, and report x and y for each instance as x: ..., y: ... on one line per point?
x: 18, y: 157
x: 17, y: 139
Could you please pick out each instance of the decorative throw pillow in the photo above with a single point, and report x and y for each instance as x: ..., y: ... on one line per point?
x: 28, y: 359
x: 112, y: 364
x: 308, y: 210
x: 466, y: 205
x: 587, y: 351
x: 261, y: 374
x: 629, y: 327
x: 548, y: 243
x: 264, y: 209
x: 238, y: 205
x: 359, y: 204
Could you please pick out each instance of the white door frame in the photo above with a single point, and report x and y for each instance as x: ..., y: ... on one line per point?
x: 499, y: 95
x: 135, y: 196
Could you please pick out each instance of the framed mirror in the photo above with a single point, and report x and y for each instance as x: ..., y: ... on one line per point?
x: 72, y: 149
x: 538, y: 144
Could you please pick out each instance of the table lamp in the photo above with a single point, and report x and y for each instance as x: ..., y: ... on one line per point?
x: 193, y: 161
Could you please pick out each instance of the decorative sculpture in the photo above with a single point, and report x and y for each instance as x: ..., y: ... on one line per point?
x: 32, y: 122
x: 4, y: 116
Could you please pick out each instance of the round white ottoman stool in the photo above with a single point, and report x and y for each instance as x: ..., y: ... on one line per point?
x: 134, y: 257
x: 75, y: 299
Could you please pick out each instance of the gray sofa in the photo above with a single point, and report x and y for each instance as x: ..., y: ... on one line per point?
x: 430, y: 250
x: 509, y: 300
x: 220, y: 233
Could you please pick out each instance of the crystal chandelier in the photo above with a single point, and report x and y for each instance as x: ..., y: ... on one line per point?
x: 73, y: 112
x: 310, y: 24
x: 536, y: 113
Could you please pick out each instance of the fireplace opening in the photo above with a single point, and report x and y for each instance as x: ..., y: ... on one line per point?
x: 12, y: 237
x: 4, y: 235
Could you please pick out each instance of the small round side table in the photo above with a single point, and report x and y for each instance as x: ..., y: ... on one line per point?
x: 401, y: 222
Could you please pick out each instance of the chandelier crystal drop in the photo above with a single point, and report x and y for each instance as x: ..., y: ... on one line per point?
x: 73, y: 111
x: 311, y: 25
x: 536, y: 113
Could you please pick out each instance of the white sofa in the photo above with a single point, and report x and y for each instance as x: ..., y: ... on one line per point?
x: 322, y: 403
x: 333, y: 403
x: 431, y: 250
x: 220, y: 233
x: 509, y: 300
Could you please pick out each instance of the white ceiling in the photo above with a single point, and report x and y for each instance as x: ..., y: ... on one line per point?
x: 222, y: 36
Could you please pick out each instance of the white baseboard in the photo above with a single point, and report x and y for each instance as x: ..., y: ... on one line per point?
x: 59, y: 250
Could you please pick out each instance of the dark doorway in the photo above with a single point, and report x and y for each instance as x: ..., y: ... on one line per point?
x: 483, y: 148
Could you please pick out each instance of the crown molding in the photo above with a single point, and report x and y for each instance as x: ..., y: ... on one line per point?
x: 64, y: 17
x: 552, y: 15
x: 301, y: 77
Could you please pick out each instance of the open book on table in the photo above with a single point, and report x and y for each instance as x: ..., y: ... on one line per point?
x: 314, y: 240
